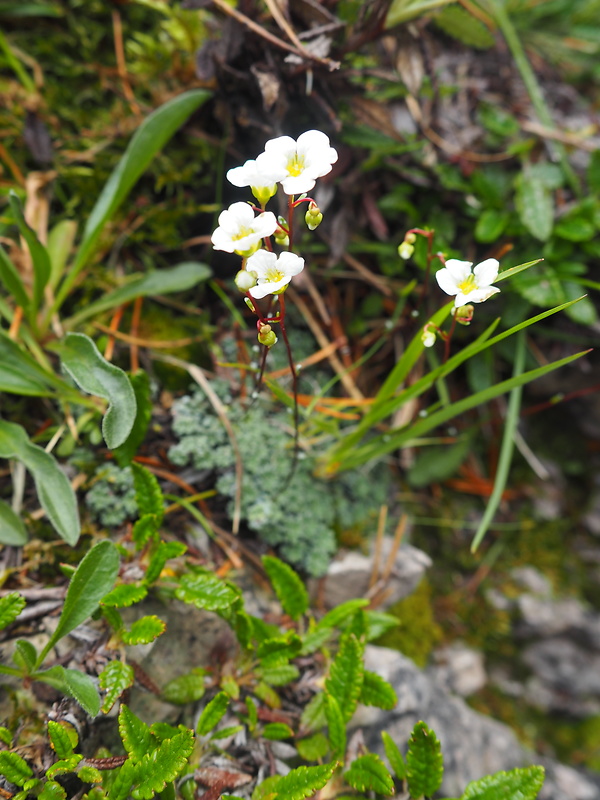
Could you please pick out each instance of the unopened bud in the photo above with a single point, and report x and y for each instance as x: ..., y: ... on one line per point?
x: 245, y: 280
x: 264, y: 193
x: 313, y: 216
x: 266, y: 336
x: 463, y: 314
x: 405, y: 250
x: 281, y: 236
x: 410, y: 237
x: 428, y: 337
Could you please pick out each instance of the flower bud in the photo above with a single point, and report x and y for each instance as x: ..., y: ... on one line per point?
x: 313, y: 216
x: 410, y: 237
x: 405, y: 250
x: 264, y: 193
x: 245, y: 280
x: 428, y: 337
x: 266, y: 336
x: 463, y: 314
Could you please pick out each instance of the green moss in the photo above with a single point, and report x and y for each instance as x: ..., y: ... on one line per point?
x: 418, y: 632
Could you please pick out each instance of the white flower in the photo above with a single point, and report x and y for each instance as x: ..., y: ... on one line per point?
x: 240, y: 231
x: 261, y: 175
x: 302, y: 162
x: 273, y: 272
x: 469, y: 286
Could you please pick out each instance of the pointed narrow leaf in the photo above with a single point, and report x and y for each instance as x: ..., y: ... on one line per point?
x: 148, y: 494
x: 60, y: 244
x: 39, y: 255
x: 303, y: 782
x: 369, y: 772
x: 12, y: 281
x: 288, y: 586
x: 134, y: 733
x: 519, y: 784
x: 115, y: 678
x: 95, y: 375
x: 212, y: 713
x: 162, y: 765
x: 336, y: 727
x: 123, y: 781
x: 337, y: 615
x: 73, y: 683
x: 21, y: 374
x: 93, y: 578
x: 424, y: 762
x: 394, y: 756
x: 346, y: 675
x: 25, y: 655
x: 12, y: 528
x: 11, y: 606
x: 53, y: 489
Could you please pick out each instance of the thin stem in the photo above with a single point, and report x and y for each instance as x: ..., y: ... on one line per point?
x: 291, y: 222
x: 449, y: 339
x: 294, y: 377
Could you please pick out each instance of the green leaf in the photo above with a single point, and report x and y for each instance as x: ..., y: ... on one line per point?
x: 5, y: 735
x: 53, y: 488
x: 313, y: 748
x: 144, y: 529
x: 144, y: 630
x: 279, y: 675
x: 206, y: 590
x: 60, y: 243
x: 25, y: 655
x: 461, y: 25
x: 304, y: 781
x: 378, y: 622
x: 424, y: 762
x: 534, y: 204
x: 121, y: 784
x: 435, y: 464
x: 336, y: 727
x: 394, y: 756
x: 115, y: 678
x: 267, y: 789
x: 403, y: 10
x: 377, y: 692
x: 337, y: 615
x: 212, y: 713
x: 490, y: 225
x: 186, y: 688
x: 64, y: 765
x: 163, y: 553
x: 346, y: 675
x: 161, y: 281
x: 313, y: 716
x: 89, y: 774
x: 152, y: 135
x: 315, y: 638
x: 14, y: 768
x: 279, y: 650
x: 369, y: 772
x: 12, y: 281
x: 94, y: 374
x: 52, y: 790
x: 288, y: 586
x: 39, y: 255
x: 124, y: 595
x: 12, y: 529
x: 74, y: 684
x: 60, y: 740
x: 21, y: 374
x: 125, y: 452
x: 276, y: 731
x: 518, y: 784
x: 135, y: 734
x: 93, y: 579
x: 11, y: 606
x: 575, y: 228
x: 148, y: 494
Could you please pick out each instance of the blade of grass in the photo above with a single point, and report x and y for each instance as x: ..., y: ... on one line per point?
x: 506, y: 450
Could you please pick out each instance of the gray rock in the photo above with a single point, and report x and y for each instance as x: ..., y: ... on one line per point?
x: 458, y: 669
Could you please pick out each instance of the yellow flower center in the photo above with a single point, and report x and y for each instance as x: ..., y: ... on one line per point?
x: 468, y: 285
x: 241, y: 233
x: 295, y: 166
x: 273, y: 275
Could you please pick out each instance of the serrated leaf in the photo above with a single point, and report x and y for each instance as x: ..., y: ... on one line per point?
x: 212, y: 713
x: 267, y: 694
x: 89, y: 774
x: 424, y: 762
x: 279, y: 675
x: 64, y: 765
x: 252, y: 713
x: 73, y: 683
x: 124, y: 453
x: 206, y: 591
x: 14, y: 768
x: 52, y: 790
x: 314, y: 747
x: 135, y: 734
x: 394, y: 756
x: 346, y: 675
x: 39, y: 255
x: 124, y: 595
x: 313, y: 716
x: 148, y: 494
x: 11, y: 606
x: 267, y: 789
x: 144, y: 630
x: 304, y: 781
x: 369, y: 772
x: 314, y: 639
x: 5, y: 735
x: 53, y: 488
x: 377, y: 692
x: 163, y: 553
x: 93, y: 579
x: 230, y: 686
x: 144, y: 529
x: 12, y: 527
x: 337, y: 615
x: 534, y: 204
x: 115, y: 678
x: 162, y: 765
x: 61, y: 738
x: 336, y: 727
x: 288, y: 586
x: 120, y: 788
x: 518, y: 784
x: 276, y: 731
x: 186, y: 688
x: 94, y: 374
x: 279, y: 650
x: 162, y: 730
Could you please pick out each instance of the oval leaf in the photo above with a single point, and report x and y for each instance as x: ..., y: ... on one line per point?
x: 12, y: 529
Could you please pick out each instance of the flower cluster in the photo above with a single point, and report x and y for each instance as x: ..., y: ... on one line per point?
x: 246, y: 229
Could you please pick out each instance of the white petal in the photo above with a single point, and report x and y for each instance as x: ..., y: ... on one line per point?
x: 269, y: 287
x: 261, y: 262
x: 265, y: 224
x: 460, y: 270
x: 312, y: 139
x: 240, y: 213
x: 290, y: 263
x: 222, y: 241
x: 298, y: 184
x: 446, y: 282
x: 486, y: 272
x: 282, y: 145
x: 480, y: 295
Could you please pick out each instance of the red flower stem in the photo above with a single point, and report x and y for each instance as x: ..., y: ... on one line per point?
x: 292, y: 370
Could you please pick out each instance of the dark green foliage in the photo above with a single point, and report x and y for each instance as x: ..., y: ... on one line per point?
x: 212, y: 714
x: 424, y: 762
x: 518, y: 784
x: 369, y: 772
x: 11, y: 606
x: 288, y: 586
x: 346, y: 675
